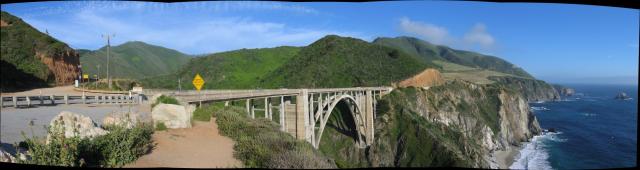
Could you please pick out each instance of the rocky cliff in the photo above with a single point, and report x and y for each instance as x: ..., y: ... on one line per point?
x: 62, y: 65
x: 457, y: 124
x: 533, y: 90
x: 564, y: 91
x: 32, y: 58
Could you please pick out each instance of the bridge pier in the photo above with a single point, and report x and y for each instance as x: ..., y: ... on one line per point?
x: 282, y: 124
x: 15, y: 102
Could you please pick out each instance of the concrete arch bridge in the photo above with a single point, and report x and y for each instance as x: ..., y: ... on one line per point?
x: 303, y: 113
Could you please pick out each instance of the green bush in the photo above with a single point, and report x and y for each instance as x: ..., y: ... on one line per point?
x: 206, y: 112
x: 260, y: 143
x: 160, y: 126
x: 115, y: 149
x: 166, y: 100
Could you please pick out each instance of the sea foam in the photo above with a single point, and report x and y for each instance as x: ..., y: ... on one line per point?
x: 534, y: 155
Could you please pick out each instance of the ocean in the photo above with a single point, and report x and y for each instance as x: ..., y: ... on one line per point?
x: 593, y: 130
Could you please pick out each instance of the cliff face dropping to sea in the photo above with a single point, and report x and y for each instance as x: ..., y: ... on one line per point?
x: 532, y: 89
x: 455, y: 124
x: 32, y: 59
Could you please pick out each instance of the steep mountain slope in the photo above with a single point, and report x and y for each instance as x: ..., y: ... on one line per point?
x: 32, y: 59
x: 431, y: 52
x: 335, y: 61
x: 133, y: 59
x: 239, y: 69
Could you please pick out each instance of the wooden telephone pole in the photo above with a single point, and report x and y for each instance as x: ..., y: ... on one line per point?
x: 108, y: 37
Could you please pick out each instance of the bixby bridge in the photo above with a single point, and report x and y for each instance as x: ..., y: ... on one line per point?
x: 303, y: 113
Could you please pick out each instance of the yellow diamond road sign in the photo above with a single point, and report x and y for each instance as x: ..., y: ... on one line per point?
x: 198, y: 82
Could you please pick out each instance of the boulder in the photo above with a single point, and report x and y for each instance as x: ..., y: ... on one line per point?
x: 69, y: 121
x: 173, y: 116
x: 6, y: 156
x: 125, y: 119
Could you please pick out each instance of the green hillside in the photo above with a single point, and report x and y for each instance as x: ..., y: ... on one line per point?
x: 239, y: 69
x: 133, y: 59
x: 21, y: 68
x: 431, y: 52
x: 335, y: 61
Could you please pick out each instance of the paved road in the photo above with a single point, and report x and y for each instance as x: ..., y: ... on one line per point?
x: 13, y: 121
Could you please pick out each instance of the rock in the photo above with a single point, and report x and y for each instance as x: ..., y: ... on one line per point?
x: 125, y: 119
x: 622, y: 96
x: 567, y: 91
x: 6, y: 156
x: 173, y: 116
x: 70, y: 121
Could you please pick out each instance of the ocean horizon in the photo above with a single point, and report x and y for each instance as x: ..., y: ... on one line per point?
x: 593, y: 130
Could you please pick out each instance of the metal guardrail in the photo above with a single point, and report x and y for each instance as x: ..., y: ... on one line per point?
x: 16, y: 101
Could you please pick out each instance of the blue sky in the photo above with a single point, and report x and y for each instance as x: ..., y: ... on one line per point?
x: 559, y: 43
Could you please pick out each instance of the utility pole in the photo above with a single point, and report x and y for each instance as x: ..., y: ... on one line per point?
x: 108, y: 49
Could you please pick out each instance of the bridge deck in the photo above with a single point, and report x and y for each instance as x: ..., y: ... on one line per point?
x: 221, y: 95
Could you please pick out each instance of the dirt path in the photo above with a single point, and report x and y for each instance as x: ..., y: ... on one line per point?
x: 198, y: 147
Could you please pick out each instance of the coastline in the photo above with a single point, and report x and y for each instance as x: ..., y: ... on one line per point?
x: 505, y: 158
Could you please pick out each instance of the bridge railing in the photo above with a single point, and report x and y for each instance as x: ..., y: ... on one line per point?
x: 15, y: 101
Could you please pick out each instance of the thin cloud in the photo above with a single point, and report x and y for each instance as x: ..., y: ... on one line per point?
x: 476, y: 36
x: 479, y: 35
x: 430, y: 32
x: 193, y: 35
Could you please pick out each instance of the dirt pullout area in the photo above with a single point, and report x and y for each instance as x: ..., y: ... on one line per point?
x: 198, y: 147
x: 428, y: 77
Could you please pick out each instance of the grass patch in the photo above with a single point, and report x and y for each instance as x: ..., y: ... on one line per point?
x: 260, y: 143
x: 115, y: 149
x: 206, y: 112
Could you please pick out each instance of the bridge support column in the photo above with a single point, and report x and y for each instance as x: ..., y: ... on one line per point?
x: 266, y: 108
x: 302, y: 116
x: 369, y: 130
x: 247, y: 106
x: 226, y: 103
x: 282, y: 128
x: 66, y: 99
x: 15, y: 101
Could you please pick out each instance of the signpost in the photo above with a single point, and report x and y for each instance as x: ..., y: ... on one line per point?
x: 198, y: 82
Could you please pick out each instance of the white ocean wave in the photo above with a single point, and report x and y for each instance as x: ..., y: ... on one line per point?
x: 534, y: 155
x: 535, y: 108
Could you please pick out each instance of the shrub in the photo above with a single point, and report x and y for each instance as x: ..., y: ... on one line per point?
x: 166, y: 100
x: 160, y: 126
x: 260, y: 143
x: 115, y: 149
x: 205, y: 113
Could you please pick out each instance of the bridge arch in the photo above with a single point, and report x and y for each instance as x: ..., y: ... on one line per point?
x: 327, y: 107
